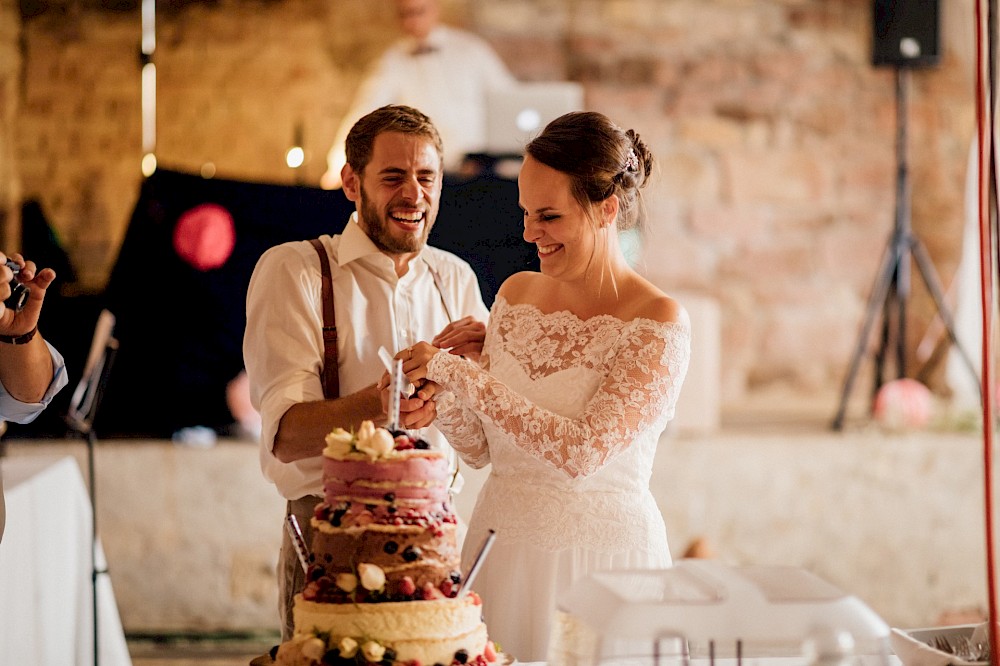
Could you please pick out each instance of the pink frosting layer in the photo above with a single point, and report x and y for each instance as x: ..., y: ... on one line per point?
x: 419, y: 477
x: 334, y: 490
x: 417, y: 468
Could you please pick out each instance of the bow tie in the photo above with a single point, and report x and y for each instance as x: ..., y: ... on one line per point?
x: 423, y: 49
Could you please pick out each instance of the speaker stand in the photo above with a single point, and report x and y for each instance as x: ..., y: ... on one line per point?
x: 892, y: 284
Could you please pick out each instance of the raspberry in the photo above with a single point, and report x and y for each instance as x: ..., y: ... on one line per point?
x: 407, y: 587
x: 430, y: 592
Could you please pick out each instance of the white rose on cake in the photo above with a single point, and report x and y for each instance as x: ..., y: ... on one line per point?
x: 339, y: 443
x: 348, y: 582
x: 348, y: 647
x: 375, y: 442
x: 314, y: 648
x: 372, y: 576
x: 373, y: 651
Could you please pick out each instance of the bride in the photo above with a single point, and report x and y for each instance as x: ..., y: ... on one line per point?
x: 578, y: 377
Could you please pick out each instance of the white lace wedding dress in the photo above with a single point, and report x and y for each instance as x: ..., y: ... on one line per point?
x: 568, y: 412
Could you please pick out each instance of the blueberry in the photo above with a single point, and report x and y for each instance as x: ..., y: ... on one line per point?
x: 390, y: 497
x: 456, y: 577
x: 411, y: 553
x: 390, y: 655
x: 421, y: 444
x: 390, y: 547
x: 462, y: 656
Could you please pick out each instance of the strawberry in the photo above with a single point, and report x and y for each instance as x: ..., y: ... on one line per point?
x: 490, y: 652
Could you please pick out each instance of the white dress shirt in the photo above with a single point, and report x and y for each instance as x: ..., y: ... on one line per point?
x: 448, y: 82
x: 283, y: 343
x: 12, y: 409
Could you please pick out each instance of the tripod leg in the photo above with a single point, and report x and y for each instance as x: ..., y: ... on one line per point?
x: 934, y: 287
x: 880, y: 290
x: 91, y: 441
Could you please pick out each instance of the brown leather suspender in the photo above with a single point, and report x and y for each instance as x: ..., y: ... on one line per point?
x: 331, y: 378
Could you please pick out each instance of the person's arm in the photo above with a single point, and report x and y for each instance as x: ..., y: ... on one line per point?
x: 26, y: 370
x: 303, y: 428
x: 643, y: 383
x: 464, y: 430
x: 26, y: 365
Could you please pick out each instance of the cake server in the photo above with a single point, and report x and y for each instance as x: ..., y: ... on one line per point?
x: 477, y: 563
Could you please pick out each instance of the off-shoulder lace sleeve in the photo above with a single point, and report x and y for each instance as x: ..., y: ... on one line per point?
x: 644, y: 377
x: 464, y: 431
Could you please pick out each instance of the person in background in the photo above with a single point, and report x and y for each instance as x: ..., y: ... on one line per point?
x: 390, y: 289
x: 579, y: 374
x: 31, y: 370
x: 443, y: 71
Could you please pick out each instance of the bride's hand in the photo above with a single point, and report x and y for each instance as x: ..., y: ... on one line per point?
x: 463, y: 338
x: 415, y: 360
x: 416, y: 411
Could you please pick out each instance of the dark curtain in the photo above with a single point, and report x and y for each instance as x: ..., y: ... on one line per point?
x: 180, y: 329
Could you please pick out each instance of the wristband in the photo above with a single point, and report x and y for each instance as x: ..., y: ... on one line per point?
x: 22, y: 339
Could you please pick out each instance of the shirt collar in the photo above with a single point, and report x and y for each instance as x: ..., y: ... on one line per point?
x: 435, y: 41
x: 355, y: 244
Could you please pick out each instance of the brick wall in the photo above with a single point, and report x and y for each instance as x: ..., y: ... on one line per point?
x: 774, y: 134
x: 10, y: 65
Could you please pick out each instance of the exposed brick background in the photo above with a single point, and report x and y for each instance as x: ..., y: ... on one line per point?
x: 774, y: 134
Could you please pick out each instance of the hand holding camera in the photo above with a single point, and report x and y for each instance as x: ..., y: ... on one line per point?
x: 22, y: 294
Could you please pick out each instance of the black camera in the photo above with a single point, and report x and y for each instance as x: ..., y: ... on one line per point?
x: 18, y: 292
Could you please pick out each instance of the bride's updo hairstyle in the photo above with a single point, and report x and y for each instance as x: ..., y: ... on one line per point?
x: 600, y: 158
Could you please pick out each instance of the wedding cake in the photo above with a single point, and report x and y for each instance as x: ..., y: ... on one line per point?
x: 383, y: 583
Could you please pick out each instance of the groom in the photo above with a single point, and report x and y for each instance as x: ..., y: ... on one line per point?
x: 390, y: 289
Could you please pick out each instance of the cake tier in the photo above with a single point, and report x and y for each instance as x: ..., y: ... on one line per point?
x: 413, y: 476
x: 430, y: 632
x: 425, y: 555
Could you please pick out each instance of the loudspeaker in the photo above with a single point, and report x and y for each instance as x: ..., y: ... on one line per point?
x: 905, y: 33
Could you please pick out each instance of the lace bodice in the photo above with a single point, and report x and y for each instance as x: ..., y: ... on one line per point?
x: 572, y: 392
x: 568, y: 411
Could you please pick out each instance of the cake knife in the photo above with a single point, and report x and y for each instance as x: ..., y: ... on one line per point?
x: 387, y: 360
x: 294, y: 531
x: 477, y: 563
x: 395, y: 379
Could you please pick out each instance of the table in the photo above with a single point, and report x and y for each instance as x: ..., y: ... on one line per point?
x: 46, y: 607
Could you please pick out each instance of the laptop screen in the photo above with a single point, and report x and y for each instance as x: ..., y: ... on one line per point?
x: 516, y: 115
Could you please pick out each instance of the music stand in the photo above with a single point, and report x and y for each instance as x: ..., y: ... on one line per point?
x: 892, y: 284
x: 80, y: 419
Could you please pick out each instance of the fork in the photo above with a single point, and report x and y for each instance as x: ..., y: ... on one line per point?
x: 962, y: 647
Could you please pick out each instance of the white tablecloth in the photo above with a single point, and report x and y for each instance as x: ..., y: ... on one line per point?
x: 46, y: 611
